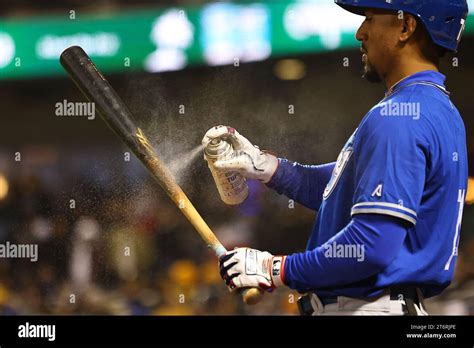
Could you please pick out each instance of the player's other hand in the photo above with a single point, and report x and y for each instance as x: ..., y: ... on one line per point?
x: 247, y: 159
x: 245, y: 267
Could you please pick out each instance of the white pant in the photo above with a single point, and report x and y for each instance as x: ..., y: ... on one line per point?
x: 381, y: 305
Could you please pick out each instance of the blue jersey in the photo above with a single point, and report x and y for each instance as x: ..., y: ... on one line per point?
x: 408, y: 160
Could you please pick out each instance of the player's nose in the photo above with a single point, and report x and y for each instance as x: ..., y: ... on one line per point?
x: 361, y: 34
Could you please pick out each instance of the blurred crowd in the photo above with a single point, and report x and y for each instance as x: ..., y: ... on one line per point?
x: 117, y: 245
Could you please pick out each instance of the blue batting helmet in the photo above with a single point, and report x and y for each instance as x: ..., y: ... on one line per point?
x: 443, y: 19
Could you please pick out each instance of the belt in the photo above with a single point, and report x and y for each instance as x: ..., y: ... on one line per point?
x: 408, y: 294
x: 328, y: 300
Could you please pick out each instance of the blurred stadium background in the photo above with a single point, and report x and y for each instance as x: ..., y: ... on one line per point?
x: 284, y: 73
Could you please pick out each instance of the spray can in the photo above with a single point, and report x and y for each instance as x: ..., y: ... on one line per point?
x: 232, y: 186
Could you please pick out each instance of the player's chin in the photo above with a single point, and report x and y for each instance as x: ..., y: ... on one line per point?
x: 371, y: 75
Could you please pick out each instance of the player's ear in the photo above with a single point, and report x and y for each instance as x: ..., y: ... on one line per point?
x: 408, y: 25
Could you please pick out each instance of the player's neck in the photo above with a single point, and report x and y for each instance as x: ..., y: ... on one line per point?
x: 403, y: 71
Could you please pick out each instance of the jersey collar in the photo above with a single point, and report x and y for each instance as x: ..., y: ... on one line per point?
x: 422, y: 76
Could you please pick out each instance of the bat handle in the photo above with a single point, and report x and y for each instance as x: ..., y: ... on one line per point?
x: 250, y: 296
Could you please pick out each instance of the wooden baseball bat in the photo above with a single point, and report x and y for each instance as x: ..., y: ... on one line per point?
x: 117, y: 116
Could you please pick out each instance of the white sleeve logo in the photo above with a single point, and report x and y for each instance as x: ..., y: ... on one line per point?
x: 378, y: 191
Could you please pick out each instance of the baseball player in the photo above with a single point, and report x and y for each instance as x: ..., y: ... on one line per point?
x: 389, y: 209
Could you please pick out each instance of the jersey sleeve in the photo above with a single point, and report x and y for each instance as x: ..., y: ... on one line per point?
x: 390, y: 166
x: 374, y: 241
x: 303, y: 183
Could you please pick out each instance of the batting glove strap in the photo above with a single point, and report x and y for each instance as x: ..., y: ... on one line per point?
x: 277, y: 271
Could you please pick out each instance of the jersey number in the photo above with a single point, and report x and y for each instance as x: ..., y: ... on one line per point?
x: 461, y: 197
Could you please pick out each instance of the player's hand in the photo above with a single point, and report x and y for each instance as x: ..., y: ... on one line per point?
x: 247, y: 159
x: 245, y: 267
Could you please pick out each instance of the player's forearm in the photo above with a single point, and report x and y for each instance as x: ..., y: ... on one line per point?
x: 363, y: 248
x: 303, y: 183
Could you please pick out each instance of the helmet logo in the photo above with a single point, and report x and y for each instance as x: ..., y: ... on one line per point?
x: 461, y: 31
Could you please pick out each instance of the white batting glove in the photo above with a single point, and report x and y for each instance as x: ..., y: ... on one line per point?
x: 248, y: 159
x: 245, y: 267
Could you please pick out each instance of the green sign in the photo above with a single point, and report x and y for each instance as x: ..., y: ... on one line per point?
x: 172, y: 39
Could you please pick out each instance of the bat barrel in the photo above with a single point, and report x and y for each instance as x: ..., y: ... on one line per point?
x: 97, y: 89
